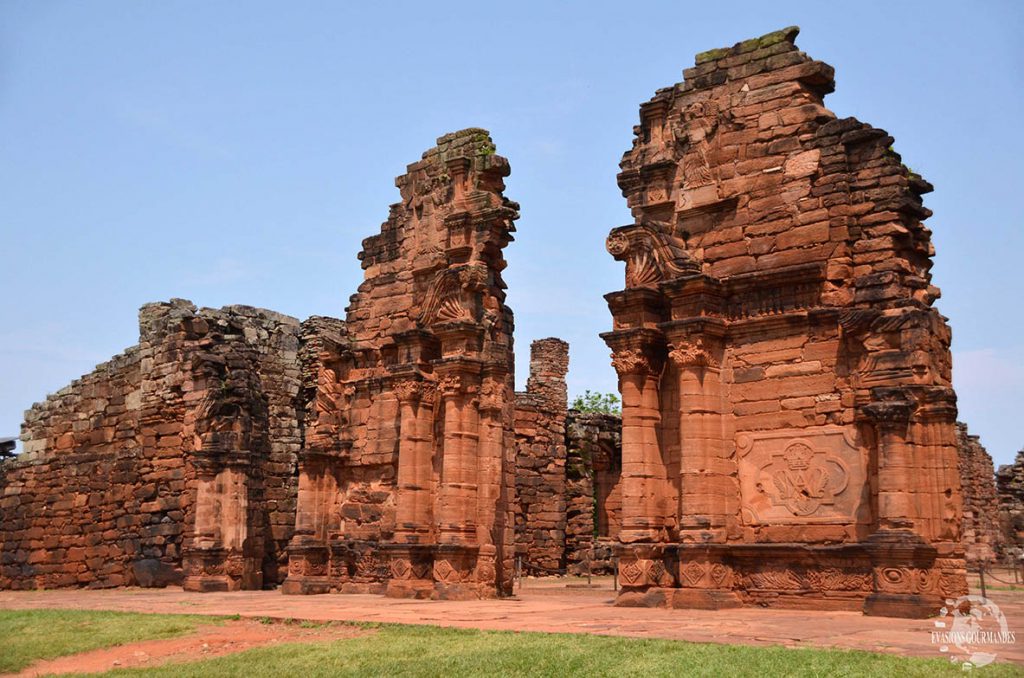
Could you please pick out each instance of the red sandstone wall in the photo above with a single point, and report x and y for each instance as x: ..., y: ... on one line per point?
x: 541, y: 500
x: 80, y: 502
x: 407, y: 474
x: 105, y: 492
x: 981, y: 535
x: 785, y: 376
x: 593, y: 490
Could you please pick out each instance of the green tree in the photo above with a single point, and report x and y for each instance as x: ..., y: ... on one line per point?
x: 605, y: 403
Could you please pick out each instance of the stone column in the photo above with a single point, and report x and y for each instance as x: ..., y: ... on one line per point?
x: 222, y: 556
x: 308, y: 554
x: 641, y: 453
x: 645, y: 564
x: 895, y: 510
x: 707, y: 490
x: 491, y: 403
x: 412, y: 553
x: 905, y: 577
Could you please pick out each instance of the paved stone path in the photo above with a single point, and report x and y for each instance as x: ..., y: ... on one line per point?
x: 550, y: 606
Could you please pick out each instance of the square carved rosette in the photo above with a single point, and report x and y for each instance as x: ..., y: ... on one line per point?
x: 219, y: 569
x: 308, y: 567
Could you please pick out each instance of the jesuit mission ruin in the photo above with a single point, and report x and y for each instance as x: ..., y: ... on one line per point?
x: 788, y: 433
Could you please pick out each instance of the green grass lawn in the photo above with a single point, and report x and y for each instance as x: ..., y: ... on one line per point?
x: 392, y: 649
x: 30, y: 635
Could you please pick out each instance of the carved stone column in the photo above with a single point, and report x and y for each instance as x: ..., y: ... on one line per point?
x: 412, y: 553
x: 222, y: 555
x: 646, y: 561
x: 641, y: 452
x: 707, y: 489
x: 895, y: 510
x: 308, y: 553
x: 906, y: 579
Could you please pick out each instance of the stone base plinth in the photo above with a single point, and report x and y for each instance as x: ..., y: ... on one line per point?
x: 304, y: 586
x: 892, y: 574
x: 703, y: 599
x: 909, y: 606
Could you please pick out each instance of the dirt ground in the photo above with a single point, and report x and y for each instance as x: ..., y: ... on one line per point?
x: 206, y: 642
x: 548, y: 605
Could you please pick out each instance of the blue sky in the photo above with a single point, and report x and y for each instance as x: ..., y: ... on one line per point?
x: 233, y: 152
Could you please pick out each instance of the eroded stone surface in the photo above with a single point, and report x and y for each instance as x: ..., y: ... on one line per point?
x: 1010, y: 489
x: 788, y: 415
x: 541, y: 460
x: 406, y: 477
x: 174, y: 460
x: 981, y: 534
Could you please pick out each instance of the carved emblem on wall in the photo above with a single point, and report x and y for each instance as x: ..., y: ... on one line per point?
x: 804, y: 479
x: 804, y: 475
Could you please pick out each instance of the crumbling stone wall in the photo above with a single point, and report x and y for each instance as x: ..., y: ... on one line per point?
x: 69, y: 518
x: 788, y: 413
x: 593, y: 491
x: 125, y: 472
x: 541, y: 499
x: 407, y: 475
x: 981, y: 533
x: 1010, y: 491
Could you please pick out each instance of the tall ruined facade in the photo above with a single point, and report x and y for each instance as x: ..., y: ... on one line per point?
x: 788, y: 416
x: 406, y: 476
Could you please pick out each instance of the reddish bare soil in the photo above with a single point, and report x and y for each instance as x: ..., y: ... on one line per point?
x: 207, y: 642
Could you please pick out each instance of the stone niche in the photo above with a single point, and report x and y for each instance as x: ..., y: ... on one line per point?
x: 406, y: 477
x: 788, y: 416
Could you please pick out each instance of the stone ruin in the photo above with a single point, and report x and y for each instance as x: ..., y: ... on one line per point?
x: 787, y: 435
x: 407, y: 475
x: 981, y: 533
x: 1010, y: 496
x: 567, y: 471
x: 173, y: 460
x: 788, y: 431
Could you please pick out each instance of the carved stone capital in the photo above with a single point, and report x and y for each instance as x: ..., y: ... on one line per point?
x: 631, y: 361
x: 450, y: 386
x: 410, y: 390
x: 889, y: 413
x: 692, y: 353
